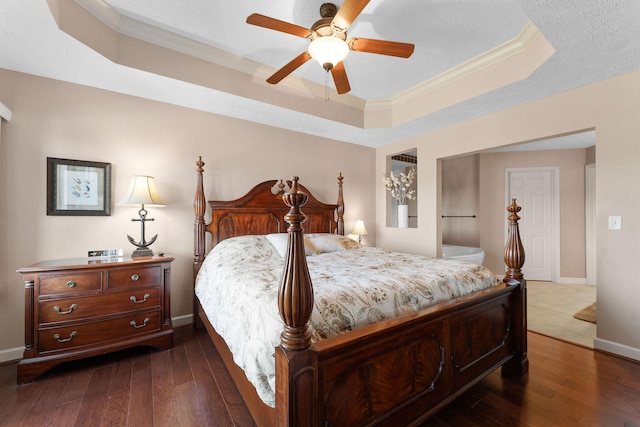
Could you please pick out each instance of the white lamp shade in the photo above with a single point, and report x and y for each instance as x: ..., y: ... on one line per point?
x: 142, y: 191
x: 359, y: 229
x: 328, y: 49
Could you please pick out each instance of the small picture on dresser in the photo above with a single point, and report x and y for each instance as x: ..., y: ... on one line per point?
x: 78, y: 187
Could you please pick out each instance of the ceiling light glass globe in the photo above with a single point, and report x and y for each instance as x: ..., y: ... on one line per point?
x: 328, y: 51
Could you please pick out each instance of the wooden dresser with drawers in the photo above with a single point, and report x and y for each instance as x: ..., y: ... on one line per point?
x: 85, y: 307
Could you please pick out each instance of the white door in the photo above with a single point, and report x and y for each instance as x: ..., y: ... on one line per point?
x: 536, y: 191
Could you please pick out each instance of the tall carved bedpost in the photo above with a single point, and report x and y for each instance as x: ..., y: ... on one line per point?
x: 296, y: 382
x: 513, y: 250
x: 514, y: 259
x: 340, y: 209
x: 199, y: 207
x: 295, y: 299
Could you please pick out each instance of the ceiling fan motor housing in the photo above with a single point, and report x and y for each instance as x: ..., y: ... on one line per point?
x: 328, y: 10
x: 323, y: 27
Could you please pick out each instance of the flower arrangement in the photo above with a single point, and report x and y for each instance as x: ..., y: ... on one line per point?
x: 399, y: 185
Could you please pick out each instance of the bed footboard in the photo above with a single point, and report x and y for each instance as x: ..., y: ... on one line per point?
x: 402, y: 371
x: 397, y: 372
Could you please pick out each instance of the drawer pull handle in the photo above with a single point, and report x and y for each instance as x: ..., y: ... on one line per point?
x: 135, y: 325
x: 71, y: 335
x: 71, y: 284
x: 71, y: 308
x: 135, y: 300
x: 135, y: 277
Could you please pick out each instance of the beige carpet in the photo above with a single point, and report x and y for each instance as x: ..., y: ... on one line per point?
x: 588, y: 314
x: 550, y: 310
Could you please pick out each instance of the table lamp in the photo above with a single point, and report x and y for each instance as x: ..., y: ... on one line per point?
x: 142, y: 192
x: 359, y: 230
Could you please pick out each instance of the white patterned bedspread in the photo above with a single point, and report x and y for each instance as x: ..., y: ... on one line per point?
x: 238, y: 289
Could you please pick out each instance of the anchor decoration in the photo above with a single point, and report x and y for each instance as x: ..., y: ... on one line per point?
x: 142, y: 246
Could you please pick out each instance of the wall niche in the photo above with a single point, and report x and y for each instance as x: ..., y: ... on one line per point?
x: 404, y: 166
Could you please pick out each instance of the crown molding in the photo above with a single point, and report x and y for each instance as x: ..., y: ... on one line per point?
x: 525, y: 38
x: 136, y: 27
x: 103, y: 11
x: 478, y: 75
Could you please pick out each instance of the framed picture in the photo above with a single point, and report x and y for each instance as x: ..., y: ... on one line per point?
x: 76, y: 187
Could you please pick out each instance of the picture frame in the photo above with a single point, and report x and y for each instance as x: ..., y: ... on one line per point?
x: 78, y: 187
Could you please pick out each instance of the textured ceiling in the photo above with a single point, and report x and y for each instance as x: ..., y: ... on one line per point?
x: 593, y: 41
x: 445, y: 34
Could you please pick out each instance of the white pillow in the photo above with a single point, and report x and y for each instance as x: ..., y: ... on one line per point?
x: 326, y: 242
x: 279, y: 242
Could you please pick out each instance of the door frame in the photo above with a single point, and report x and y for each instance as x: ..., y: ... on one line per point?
x: 555, y: 212
x: 590, y: 222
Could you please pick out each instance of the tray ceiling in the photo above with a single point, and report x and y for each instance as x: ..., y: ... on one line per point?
x: 472, y: 57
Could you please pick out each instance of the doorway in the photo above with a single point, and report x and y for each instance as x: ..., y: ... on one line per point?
x: 538, y: 190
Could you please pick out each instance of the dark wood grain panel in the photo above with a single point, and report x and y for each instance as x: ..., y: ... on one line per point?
x: 134, y: 277
x: 96, y: 333
x: 98, y: 305
x: 361, y: 388
x: 69, y: 282
x: 485, y: 337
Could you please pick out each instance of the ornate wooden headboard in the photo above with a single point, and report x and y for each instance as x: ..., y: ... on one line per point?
x: 260, y: 211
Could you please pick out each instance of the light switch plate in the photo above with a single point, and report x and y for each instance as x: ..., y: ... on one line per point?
x: 615, y: 223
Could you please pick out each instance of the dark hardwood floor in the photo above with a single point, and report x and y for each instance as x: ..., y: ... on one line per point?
x: 188, y: 386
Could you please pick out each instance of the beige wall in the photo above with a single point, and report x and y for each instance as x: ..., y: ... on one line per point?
x: 469, y: 185
x: 56, y: 119
x: 570, y: 164
x: 591, y: 155
x: 611, y: 108
x: 461, y: 197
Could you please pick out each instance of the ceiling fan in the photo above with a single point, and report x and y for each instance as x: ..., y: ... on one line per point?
x: 329, y: 44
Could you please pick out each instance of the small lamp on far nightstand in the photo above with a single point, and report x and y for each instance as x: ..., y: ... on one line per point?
x: 142, y: 191
x: 359, y: 230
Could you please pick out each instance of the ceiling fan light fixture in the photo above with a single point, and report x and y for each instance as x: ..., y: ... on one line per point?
x: 328, y: 45
x: 328, y: 51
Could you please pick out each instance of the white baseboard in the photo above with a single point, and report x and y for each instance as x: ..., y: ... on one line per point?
x: 618, y: 349
x: 185, y: 320
x: 573, y: 281
x: 13, y: 354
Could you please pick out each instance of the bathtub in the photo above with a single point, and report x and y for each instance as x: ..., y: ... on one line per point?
x: 463, y: 253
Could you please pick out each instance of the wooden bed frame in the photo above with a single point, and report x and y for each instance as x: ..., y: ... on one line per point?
x: 397, y: 372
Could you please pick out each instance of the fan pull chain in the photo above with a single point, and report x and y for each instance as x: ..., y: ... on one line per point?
x: 326, y: 89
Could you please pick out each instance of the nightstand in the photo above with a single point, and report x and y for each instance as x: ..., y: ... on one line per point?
x: 78, y: 308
